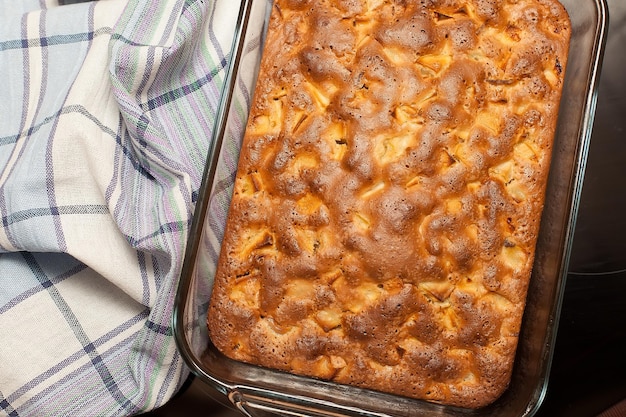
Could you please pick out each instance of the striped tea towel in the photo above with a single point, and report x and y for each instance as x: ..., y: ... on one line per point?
x: 106, y: 110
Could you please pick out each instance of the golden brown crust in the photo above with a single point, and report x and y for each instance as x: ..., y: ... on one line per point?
x: 389, y: 192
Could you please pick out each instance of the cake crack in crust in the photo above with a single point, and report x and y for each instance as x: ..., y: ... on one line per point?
x: 389, y: 192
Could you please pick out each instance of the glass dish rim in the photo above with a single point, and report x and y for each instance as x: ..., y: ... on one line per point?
x: 195, y: 230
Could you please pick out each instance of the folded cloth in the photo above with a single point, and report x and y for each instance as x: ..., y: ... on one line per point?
x: 106, y: 110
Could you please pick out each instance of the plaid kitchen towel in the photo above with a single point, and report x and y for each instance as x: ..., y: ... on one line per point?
x: 106, y: 110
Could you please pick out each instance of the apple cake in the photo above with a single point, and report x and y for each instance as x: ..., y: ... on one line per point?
x: 389, y: 192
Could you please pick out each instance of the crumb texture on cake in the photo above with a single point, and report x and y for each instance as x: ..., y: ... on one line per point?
x: 389, y: 192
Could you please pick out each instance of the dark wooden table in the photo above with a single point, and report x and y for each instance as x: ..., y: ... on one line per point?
x: 589, y: 368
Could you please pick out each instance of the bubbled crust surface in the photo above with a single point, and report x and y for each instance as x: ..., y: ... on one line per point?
x: 389, y: 192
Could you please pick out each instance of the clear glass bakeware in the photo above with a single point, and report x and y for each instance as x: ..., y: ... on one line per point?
x: 258, y: 391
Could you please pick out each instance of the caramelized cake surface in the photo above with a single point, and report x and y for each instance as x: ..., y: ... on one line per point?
x: 389, y: 191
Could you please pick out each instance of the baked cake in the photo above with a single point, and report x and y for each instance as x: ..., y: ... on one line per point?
x: 389, y: 192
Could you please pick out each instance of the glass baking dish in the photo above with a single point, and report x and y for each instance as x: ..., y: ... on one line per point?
x: 258, y: 391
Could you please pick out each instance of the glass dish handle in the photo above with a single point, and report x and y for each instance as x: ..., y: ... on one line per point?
x: 257, y: 405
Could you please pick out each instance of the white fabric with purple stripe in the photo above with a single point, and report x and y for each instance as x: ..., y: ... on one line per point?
x: 106, y: 110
